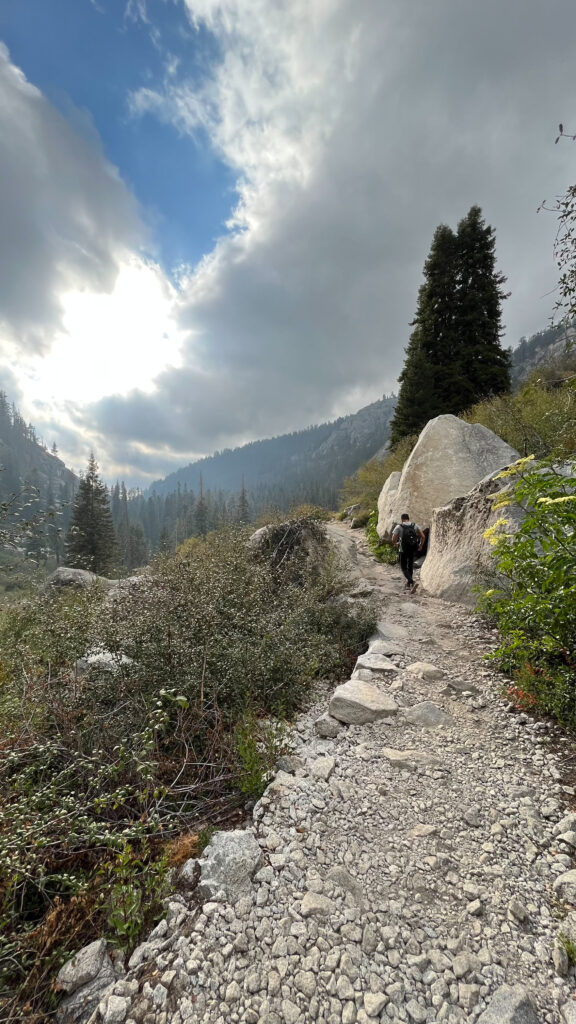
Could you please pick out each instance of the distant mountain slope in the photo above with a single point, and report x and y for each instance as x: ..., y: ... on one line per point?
x: 24, y: 460
x: 308, y: 460
x: 545, y: 347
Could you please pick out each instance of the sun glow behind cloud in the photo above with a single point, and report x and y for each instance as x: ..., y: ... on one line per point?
x: 110, y: 342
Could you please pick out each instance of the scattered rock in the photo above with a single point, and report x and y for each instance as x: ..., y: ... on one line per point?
x: 510, y: 1004
x: 356, y: 703
x: 428, y: 716
x: 322, y: 768
x: 228, y: 863
x: 315, y: 904
x: 424, y: 670
x: 327, y: 727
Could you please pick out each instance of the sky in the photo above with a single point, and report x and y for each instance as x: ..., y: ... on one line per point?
x: 214, y: 214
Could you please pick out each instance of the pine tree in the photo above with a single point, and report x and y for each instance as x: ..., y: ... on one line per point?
x: 454, y: 357
x: 90, y: 543
x: 201, y: 513
x: 433, y: 343
x: 478, y: 313
x: 242, y: 506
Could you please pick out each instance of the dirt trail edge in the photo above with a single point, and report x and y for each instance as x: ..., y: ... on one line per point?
x: 415, y: 868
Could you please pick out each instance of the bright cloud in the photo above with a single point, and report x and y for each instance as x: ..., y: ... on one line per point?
x: 353, y: 127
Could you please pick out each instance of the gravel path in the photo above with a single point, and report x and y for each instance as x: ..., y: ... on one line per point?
x: 407, y: 866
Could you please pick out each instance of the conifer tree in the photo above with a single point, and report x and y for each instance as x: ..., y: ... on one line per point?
x: 478, y: 314
x: 90, y: 543
x: 201, y: 513
x: 242, y: 507
x: 454, y: 357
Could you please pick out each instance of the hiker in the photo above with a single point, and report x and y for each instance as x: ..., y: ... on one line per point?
x: 410, y: 539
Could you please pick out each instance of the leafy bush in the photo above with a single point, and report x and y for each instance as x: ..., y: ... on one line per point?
x: 539, y: 419
x: 383, y: 551
x: 99, y: 769
x: 534, y: 603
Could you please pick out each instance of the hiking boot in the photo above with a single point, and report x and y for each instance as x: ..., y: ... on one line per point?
x: 414, y: 588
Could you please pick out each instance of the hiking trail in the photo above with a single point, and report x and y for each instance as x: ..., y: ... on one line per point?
x: 407, y: 865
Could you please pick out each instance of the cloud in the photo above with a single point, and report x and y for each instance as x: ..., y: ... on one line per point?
x: 68, y: 221
x: 354, y: 127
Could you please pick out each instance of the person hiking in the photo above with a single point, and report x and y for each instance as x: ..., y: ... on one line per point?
x: 409, y: 539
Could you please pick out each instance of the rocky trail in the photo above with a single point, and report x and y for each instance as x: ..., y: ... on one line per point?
x: 415, y: 864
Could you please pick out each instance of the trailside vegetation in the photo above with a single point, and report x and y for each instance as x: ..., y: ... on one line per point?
x: 107, y: 772
x: 534, y: 601
x: 454, y: 356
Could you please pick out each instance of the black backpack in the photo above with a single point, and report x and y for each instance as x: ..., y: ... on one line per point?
x: 410, y: 539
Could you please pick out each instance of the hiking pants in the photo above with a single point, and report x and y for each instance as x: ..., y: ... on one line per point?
x: 407, y: 564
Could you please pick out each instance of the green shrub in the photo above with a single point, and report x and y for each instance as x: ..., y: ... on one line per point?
x: 259, y: 742
x: 98, y: 769
x: 534, y: 602
x: 381, y: 550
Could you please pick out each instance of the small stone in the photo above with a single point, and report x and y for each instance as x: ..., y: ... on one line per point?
x: 344, y: 988
x: 468, y: 996
x: 565, y: 886
x: 475, y: 908
x: 374, y: 1003
x: 233, y: 993
x: 471, y: 816
x: 424, y: 670
x: 516, y: 911
x: 561, y: 961
x: 327, y: 727
x: 305, y: 982
x: 116, y: 1010
x: 316, y: 905
x: 415, y: 1011
x: 322, y: 768
x: 290, y: 1012
x: 427, y: 715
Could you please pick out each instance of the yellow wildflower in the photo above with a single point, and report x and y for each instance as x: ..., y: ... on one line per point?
x: 492, y: 534
x: 516, y: 467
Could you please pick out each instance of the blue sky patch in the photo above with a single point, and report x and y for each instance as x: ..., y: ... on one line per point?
x: 90, y: 55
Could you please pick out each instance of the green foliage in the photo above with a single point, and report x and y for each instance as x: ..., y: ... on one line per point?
x: 538, y: 419
x: 259, y: 742
x: 569, y: 947
x: 309, y: 511
x: 386, y: 553
x: 454, y: 356
x: 135, y: 884
x: 534, y: 604
x: 96, y: 767
x: 90, y: 543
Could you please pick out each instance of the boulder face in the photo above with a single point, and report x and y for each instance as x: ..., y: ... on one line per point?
x: 458, y: 555
x: 449, y: 459
x: 386, y: 498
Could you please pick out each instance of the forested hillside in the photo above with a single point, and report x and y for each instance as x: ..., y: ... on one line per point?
x: 307, y: 466
x: 34, y: 477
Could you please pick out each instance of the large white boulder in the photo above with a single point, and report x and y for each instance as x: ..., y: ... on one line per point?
x: 449, y: 459
x: 386, y: 498
x: 459, y: 557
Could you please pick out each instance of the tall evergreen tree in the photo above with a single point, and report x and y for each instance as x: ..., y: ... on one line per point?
x: 201, y: 513
x: 90, y: 543
x: 478, y: 311
x: 454, y: 357
x: 242, y: 506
